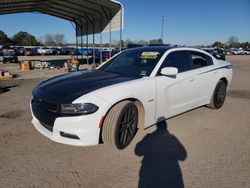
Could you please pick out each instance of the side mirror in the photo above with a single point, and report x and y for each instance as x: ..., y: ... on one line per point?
x: 169, y: 71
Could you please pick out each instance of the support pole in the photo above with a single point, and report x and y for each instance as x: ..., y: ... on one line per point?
x: 93, y: 45
x: 110, y: 39
x: 101, y: 48
x: 81, y: 42
x: 121, y: 17
x: 87, y: 40
x: 76, y: 46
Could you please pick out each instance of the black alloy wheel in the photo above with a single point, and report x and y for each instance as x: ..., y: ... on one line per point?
x: 219, y: 95
x: 120, y: 125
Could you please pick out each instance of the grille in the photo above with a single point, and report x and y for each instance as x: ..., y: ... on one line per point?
x: 54, y: 108
x: 45, y: 112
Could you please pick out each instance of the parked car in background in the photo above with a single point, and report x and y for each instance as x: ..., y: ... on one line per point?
x: 220, y: 51
x: 45, y: 51
x: 54, y: 50
x: 246, y: 52
x: 100, y: 56
x: 103, y: 55
x: 29, y: 52
x: 236, y: 51
x: 141, y: 86
x: 218, y: 55
x: 1, y: 51
x: 19, y: 50
x: 73, y: 51
x: 9, y: 56
x: 85, y: 51
x: 63, y: 51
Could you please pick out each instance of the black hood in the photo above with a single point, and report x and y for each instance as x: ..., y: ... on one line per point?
x: 68, y: 87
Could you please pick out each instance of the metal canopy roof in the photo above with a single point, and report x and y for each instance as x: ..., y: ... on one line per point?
x: 90, y: 16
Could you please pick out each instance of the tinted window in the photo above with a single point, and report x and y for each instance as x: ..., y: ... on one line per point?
x: 179, y: 59
x: 137, y: 62
x: 200, y: 60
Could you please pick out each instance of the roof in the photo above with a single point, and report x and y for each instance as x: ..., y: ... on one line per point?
x: 156, y: 47
x: 90, y: 16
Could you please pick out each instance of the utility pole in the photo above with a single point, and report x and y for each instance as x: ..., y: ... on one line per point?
x: 162, y: 28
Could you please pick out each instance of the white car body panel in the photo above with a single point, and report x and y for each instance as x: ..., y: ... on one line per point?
x: 161, y: 96
x: 131, y: 90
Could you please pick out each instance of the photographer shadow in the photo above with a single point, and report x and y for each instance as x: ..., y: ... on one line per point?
x: 161, y: 152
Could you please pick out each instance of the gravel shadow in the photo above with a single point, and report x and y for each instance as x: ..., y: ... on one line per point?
x: 161, y: 152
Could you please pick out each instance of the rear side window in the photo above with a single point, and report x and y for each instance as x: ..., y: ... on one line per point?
x: 179, y: 59
x: 200, y: 60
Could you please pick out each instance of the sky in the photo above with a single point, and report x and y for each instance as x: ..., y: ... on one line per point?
x: 187, y: 22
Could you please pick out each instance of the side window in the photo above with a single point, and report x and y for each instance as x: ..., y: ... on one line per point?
x: 179, y: 59
x: 200, y: 60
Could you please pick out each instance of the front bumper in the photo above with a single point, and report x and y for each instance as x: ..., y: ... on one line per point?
x: 76, y: 130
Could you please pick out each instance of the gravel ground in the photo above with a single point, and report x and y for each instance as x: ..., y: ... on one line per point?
x: 200, y: 148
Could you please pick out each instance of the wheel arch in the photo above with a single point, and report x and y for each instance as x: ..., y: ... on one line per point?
x: 224, y: 79
x: 141, y: 114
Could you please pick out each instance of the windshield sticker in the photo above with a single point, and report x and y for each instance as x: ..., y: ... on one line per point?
x: 149, y: 55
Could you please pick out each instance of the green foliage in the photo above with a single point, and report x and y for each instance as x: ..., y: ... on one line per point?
x: 218, y: 44
x: 24, y: 39
x: 245, y: 45
x: 4, y: 40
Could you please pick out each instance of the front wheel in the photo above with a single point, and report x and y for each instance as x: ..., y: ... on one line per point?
x: 120, y: 125
x: 219, y: 95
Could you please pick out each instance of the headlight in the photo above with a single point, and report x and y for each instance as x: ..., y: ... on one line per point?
x: 78, y: 108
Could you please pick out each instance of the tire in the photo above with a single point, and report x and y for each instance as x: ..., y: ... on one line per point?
x: 219, y: 95
x: 120, y: 125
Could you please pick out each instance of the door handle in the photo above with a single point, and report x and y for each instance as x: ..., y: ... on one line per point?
x: 192, y: 79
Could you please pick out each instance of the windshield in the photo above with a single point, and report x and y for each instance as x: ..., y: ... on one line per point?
x: 136, y: 62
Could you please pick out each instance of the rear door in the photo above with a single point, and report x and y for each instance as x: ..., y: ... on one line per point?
x: 205, y: 77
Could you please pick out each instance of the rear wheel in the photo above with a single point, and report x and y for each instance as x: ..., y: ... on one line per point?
x: 120, y: 125
x: 219, y: 95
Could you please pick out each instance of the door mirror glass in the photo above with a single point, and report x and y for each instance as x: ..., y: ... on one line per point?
x: 169, y: 71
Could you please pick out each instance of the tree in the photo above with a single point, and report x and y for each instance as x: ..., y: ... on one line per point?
x: 106, y: 45
x: 4, y: 40
x: 54, y: 40
x: 233, y: 42
x: 127, y: 42
x: 59, y: 39
x: 24, y: 39
x: 156, y: 41
x: 142, y: 42
x: 218, y: 44
x: 49, y: 40
x: 245, y: 45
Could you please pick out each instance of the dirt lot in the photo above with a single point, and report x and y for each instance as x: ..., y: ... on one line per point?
x: 201, y: 148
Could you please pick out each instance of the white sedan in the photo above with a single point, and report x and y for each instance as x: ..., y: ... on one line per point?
x: 45, y: 51
x: 135, y: 89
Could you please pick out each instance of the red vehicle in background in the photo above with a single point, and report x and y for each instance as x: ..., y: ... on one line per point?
x: 29, y: 52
